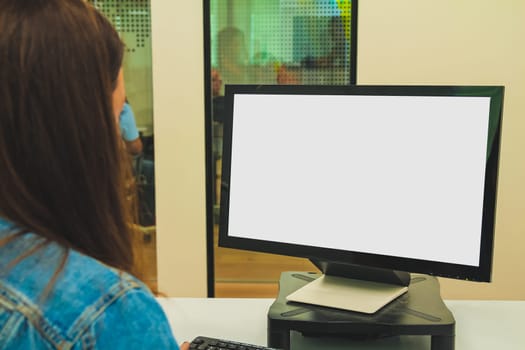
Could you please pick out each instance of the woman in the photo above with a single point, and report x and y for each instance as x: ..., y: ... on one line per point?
x: 66, y: 214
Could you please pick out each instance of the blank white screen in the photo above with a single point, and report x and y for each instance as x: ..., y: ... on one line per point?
x: 392, y: 175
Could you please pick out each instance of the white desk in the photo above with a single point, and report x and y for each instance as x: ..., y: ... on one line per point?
x: 480, y: 325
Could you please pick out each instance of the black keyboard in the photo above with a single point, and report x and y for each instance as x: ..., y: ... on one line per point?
x: 207, y: 343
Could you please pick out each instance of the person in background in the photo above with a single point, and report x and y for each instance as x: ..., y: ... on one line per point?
x: 232, y: 56
x: 217, y: 96
x: 287, y: 77
x: 143, y: 169
x: 66, y: 200
x: 128, y: 130
x: 216, y: 83
x: 337, y: 56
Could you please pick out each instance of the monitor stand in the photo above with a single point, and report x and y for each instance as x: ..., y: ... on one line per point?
x: 420, y: 311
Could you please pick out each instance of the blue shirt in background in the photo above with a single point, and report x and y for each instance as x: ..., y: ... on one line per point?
x: 128, y: 125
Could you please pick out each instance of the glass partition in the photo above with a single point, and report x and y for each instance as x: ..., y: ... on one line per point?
x: 132, y: 19
x: 297, y: 42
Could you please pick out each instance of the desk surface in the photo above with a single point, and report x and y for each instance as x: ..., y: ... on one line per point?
x: 480, y: 325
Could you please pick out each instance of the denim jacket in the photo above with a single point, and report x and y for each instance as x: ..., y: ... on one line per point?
x: 90, y: 305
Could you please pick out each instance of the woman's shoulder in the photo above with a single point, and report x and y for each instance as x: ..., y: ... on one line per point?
x: 86, y: 282
x: 43, y: 270
x: 77, y: 296
x: 50, y: 276
x: 115, y: 298
x: 112, y: 307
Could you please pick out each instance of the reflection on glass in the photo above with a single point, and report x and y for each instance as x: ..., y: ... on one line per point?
x: 132, y: 20
x: 273, y: 42
x: 232, y: 56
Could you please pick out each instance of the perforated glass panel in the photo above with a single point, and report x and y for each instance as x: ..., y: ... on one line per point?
x: 298, y: 42
x: 132, y: 20
x: 281, y: 41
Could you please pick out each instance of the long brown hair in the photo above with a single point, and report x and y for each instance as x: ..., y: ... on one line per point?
x: 63, y: 172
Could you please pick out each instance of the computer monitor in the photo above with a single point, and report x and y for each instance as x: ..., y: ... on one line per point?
x: 369, y: 182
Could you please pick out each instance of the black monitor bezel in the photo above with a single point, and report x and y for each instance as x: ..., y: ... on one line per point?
x: 482, y: 273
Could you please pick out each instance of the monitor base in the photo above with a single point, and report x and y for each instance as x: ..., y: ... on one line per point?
x: 347, y: 294
x: 420, y: 311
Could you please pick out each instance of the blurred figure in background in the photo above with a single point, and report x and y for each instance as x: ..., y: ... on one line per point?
x: 338, y: 55
x: 216, y: 83
x: 233, y: 56
x: 128, y: 130
x: 143, y: 169
x: 287, y: 77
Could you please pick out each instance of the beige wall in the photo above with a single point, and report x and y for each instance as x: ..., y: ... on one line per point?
x: 399, y: 42
x: 178, y: 103
x: 461, y: 42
